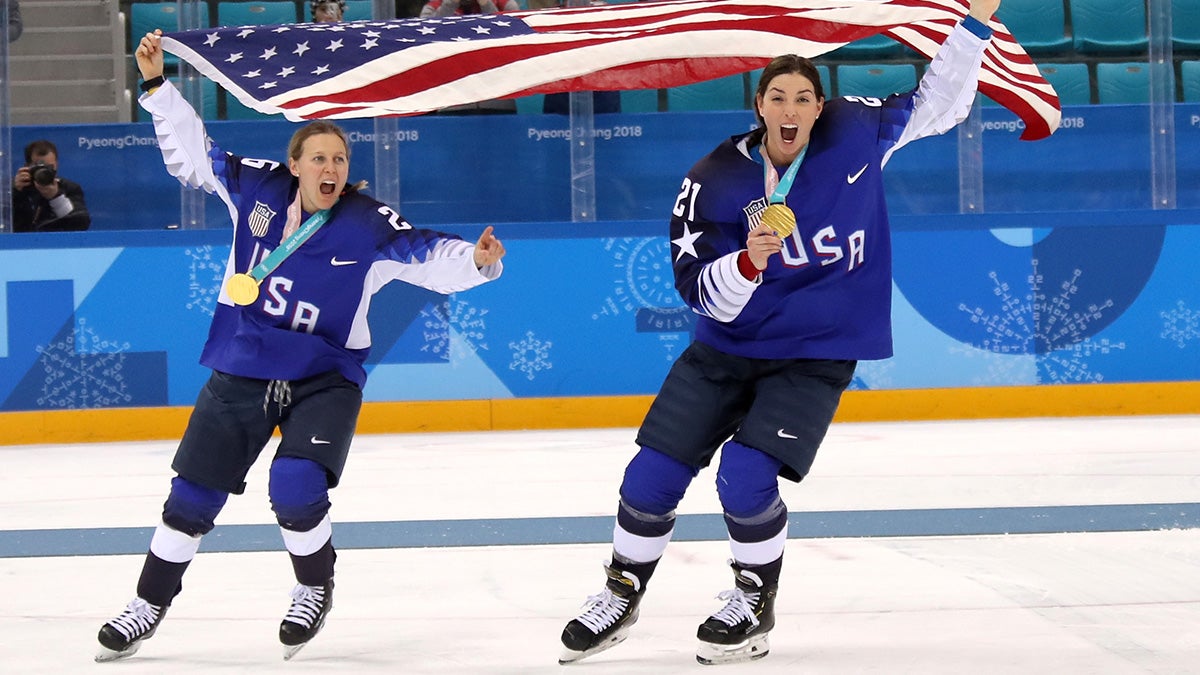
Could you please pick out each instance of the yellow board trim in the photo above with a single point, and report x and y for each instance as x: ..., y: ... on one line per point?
x: 1068, y: 400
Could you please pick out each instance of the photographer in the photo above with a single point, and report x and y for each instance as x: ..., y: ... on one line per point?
x: 42, y: 201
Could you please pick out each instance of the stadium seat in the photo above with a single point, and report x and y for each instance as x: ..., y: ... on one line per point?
x: 235, y: 110
x: 874, y: 48
x: 639, y: 100
x: 357, y: 10
x: 722, y: 93
x: 530, y: 105
x: 877, y: 79
x: 1070, y: 80
x: 144, y: 17
x: 1039, y: 25
x: 1190, y: 71
x: 1107, y: 26
x: 1185, y: 24
x: 1122, y: 82
x: 269, y: 12
x: 826, y: 80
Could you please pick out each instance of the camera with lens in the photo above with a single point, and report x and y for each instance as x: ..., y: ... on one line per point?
x: 42, y: 173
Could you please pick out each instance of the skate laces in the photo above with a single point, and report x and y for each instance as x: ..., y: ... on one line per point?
x: 602, y: 610
x: 738, y: 608
x: 139, y: 616
x: 306, y: 605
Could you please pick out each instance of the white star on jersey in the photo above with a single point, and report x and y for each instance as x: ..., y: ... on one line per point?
x: 687, y: 243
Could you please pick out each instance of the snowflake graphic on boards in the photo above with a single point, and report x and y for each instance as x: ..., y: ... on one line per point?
x: 644, y: 285
x: 1181, y: 325
x: 460, y: 319
x: 206, y: 269
x: 530, y: 355
x: 1044, y: 322
x: 83, y: 371
x: 643, y: 276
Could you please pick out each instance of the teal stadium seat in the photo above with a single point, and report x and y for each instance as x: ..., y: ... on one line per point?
x: 357, y: 10
x: 1190, y: 72
x: 1185, y: 24
x: 722, y: 93
x: 874, y: 48
x: 1039, y: 25
x: 1070, y: 80
x: 1107, y: 26
x: 235, y: 110
x: 639, y: 100
x: 530, y: 105
x: 1122, y: 82
x: 876, y: 79
x: 144, y: 17
x: 267, y: 13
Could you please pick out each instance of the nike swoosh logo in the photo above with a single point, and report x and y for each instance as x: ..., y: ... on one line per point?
x: 317, y: 441
x: 783, y: 434
x: 851, y: 178
x: 338, y: 263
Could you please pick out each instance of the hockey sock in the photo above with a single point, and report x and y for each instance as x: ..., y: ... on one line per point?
x: 314, y: 568
x: 160, y: 580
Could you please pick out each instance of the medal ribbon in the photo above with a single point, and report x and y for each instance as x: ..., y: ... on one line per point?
x: 778, y: 188
x: 289, y: 245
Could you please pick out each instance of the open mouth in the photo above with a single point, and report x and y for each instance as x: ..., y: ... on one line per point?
x: 788, y: 132
x: 328, y: 187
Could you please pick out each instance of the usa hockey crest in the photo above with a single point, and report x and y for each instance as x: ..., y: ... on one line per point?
x: 754, y: 212
x: 260, y: 219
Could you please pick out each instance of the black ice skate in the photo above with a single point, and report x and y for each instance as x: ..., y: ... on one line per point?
x: 739, y: 631
x: 606, y: 617
x: 310, y: 606
x: 123, y: 636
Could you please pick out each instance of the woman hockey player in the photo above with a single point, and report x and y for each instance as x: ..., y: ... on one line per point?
x: 781, y: 246
x: 288, y: 341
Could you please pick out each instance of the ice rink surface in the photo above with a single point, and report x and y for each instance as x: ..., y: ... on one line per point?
x: 1008, y: 546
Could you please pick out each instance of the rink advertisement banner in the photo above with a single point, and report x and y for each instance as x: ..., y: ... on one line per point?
x: 639, y: 158
x: 119, y: 319
x: 412, y: 66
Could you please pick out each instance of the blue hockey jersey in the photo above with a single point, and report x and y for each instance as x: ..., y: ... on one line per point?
x: 828, y: 294
x: 311, y: 313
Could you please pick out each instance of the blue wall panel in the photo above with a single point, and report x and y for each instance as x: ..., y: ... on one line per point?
x: 1067, y: 277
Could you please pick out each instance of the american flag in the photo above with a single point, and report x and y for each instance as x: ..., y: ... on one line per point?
x: 412, y: 66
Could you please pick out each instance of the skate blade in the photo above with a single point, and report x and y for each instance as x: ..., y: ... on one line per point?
x: 711, y: 654
x: 290, y: 650
x: 571, y: 656
x: 105, y: 654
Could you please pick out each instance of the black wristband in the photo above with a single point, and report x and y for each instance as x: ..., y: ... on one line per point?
x: 153, y: 83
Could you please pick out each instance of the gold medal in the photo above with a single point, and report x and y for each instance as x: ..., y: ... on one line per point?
x: 242, y: 289
x: 780, y: 219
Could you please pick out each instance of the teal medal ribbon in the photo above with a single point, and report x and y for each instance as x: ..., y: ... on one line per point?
x: 243, y: 288
x: 777, y: 215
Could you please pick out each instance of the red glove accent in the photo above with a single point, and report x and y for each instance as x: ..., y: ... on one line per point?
x: 746, y: 267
